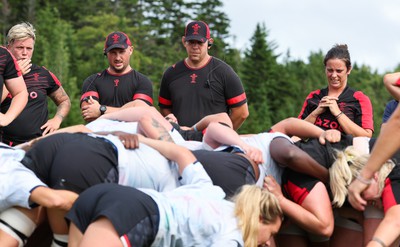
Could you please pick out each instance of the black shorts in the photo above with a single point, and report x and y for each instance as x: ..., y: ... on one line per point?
x: 188, y: 135
x: 227, y: 170
x: 297, y: 185
x: 134, y: 214
x: 73, y: 161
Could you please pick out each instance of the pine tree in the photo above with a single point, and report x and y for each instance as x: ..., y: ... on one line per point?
x: 259, y: 73
x: 53, y: 49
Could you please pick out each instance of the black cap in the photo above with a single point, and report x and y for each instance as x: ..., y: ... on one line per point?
x: 116, y: 40
x: 197, y: 30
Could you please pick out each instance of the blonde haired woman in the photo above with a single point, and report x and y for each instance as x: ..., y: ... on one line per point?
x: 383, y: 190
x: 347, y: 167
x: 195, y: 214
x: 307, y: 202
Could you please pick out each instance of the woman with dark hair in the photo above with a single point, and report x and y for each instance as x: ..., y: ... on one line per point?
x: 338, y: 106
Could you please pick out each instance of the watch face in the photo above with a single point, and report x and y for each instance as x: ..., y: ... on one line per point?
x: 103, y: 109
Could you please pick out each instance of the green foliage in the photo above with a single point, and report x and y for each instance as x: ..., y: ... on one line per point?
x: 371, y: 84
x: 53, y: 49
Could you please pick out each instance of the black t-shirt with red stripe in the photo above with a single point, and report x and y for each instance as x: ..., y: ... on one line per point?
x: 117, y: 90
x: 9, y: 68
x: 40, y: 83
x: 192, y: 94
x: 354, y: 104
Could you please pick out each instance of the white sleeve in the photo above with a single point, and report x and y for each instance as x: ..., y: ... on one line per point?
x: 16, y: 184
x: 195, y: 174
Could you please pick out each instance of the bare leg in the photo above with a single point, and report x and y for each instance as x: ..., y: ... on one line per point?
x: 342, y: 235
x: 7, y: 240
x: 372, y: 218
x: 57, y: 221
x: 101, y: 227
x: 75, y: 236
x: 21, y: 219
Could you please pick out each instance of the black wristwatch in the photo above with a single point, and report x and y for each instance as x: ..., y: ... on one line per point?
x: 103, y: 109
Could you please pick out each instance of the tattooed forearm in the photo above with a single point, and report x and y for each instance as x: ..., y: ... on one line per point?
x: 161, y: 131
x: 61, y: 99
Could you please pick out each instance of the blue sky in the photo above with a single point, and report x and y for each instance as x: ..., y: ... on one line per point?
x: 370, y: 28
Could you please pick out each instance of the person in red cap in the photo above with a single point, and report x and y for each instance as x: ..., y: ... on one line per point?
x: 117, y: 86
x: 201, y: 84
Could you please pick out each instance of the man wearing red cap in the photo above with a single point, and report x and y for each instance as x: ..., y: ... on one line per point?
x: 117, y: 86
x: 200, y: 84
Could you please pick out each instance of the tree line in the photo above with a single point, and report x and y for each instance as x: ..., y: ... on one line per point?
x: 70, y: 42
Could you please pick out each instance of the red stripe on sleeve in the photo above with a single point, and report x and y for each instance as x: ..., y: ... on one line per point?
x: 55, y: 78
x: 367, y: 119
x: 306, y: 102
x: 90, y: 93
x: 16, y: 65
x: 236, y: 99
x: 143, y: 97
x: 164, y: 101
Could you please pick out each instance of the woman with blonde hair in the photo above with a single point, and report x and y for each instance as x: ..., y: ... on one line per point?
x: 347, y: 167
x: 383, y: 190
x: 249, y: 214
x: 306, y: 194
x: 194, y: 214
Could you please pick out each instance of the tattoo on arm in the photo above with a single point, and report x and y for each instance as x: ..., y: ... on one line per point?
x: 162, y: 132
x: 61, y: 99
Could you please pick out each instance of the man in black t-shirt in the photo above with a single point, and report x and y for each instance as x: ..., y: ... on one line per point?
x: 201, y: 85
x: 117, y: 86
x: 40, y: 83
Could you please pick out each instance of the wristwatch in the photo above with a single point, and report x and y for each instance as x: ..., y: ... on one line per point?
x: 103, y: 109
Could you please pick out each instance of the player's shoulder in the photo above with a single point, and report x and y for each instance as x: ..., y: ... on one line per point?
x: 93, y: 77
x: 138, y: 74
x: 176, y: 66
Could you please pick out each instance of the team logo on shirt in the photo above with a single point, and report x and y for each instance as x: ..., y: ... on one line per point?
x: 193, y: 76
x: 36, y: 76
x: 116, y: 82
